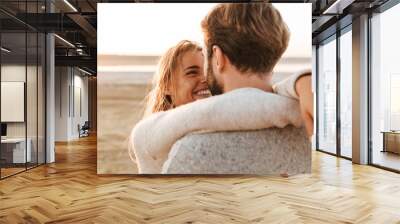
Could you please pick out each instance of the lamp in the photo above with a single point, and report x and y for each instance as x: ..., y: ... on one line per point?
x: 70, y: 5
x: 5, y: 50
x: 64, y: 40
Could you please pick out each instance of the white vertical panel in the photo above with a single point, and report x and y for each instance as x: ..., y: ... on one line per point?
x: 12, y: 101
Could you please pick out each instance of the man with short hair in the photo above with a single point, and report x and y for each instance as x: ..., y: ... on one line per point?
x: 243, y: 43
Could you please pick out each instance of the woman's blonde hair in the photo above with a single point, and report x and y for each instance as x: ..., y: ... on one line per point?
x: 159, y: 98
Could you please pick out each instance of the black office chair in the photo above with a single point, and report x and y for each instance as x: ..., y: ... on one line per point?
x: 84, y: 130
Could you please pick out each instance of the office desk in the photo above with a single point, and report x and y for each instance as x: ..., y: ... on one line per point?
x: 391, y: 141
x: 15, y: 148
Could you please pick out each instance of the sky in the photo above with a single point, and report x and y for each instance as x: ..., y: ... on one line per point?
x: 144, y: 29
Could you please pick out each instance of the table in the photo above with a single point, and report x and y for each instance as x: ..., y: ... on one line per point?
x: 391, y: 141
x: 16, y: 147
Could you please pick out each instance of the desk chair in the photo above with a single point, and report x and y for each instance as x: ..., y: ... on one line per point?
x: 84, y: 130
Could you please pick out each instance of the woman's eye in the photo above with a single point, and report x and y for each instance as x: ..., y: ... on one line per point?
x: 192, y: 73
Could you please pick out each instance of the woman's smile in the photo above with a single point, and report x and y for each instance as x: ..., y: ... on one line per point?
x: 201, y: 93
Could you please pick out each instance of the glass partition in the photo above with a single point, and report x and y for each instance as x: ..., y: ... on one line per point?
x: 31, y: 100
x: 13, y: 105
x: 346, y: 93
x: 327, y: 96
x: 41, y: 107
x: 32, y: 86
x: 22, y: 77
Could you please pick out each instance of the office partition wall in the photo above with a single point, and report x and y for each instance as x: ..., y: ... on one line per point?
x: 13, y: 145
x: 22, y: 79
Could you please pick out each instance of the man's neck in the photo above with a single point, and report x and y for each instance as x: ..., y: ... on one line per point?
x: 248, y: 80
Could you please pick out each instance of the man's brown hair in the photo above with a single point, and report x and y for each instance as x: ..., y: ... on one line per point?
x: 252, y: 35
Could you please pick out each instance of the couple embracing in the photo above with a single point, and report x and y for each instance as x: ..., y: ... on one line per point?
x: 224, y: 86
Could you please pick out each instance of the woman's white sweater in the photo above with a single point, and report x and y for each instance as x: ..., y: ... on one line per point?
x: 240, y: 109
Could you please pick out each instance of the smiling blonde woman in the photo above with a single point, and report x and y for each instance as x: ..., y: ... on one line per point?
x: 179, y: 80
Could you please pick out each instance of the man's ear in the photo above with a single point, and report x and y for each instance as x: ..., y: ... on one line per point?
x: 220, y: 58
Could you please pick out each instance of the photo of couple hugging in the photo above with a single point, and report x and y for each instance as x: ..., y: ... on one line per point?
x: 215, y: 109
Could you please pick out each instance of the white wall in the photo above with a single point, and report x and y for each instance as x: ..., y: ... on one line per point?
x: 62, y: 81
x: 12, y: 73
x: 67, y: 115
x: 33, y: 127
x: 79, y: 117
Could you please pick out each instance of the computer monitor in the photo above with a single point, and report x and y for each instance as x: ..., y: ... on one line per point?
x: 3, y: 129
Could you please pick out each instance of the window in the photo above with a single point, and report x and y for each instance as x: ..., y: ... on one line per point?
x: 346, y: 93
x: 327, y: 96
x: 385, y: 89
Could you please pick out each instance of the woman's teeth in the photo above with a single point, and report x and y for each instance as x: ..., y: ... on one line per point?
x: 204, y: 93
